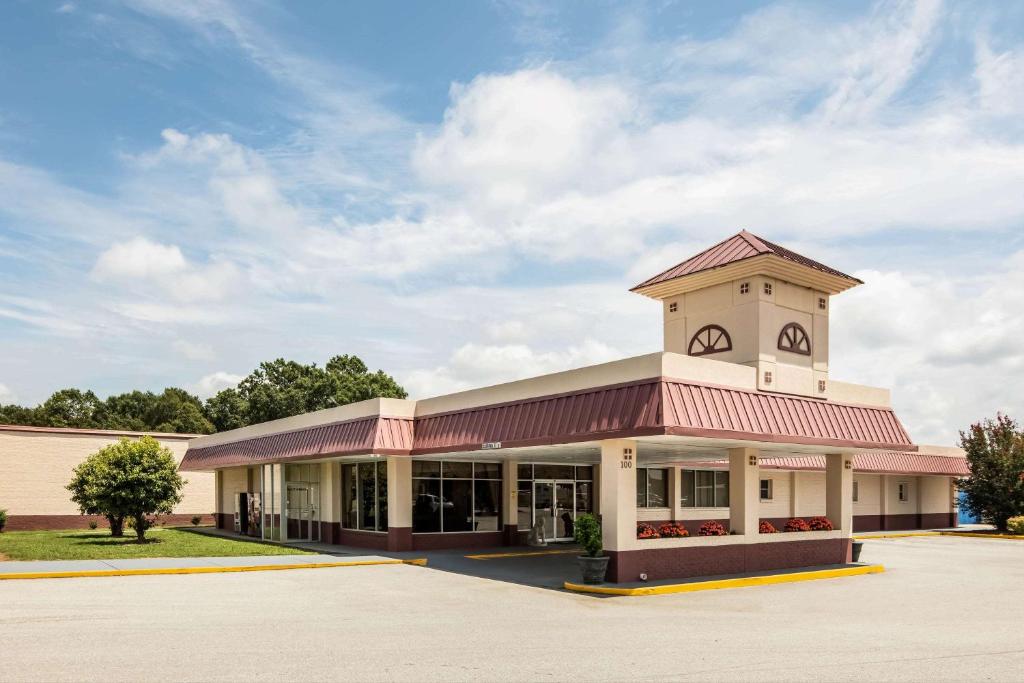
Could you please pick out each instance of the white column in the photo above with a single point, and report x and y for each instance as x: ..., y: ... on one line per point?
x: 794, y: 493
x: 744, y: 492
x: 399, y: 492
x: 330, y: 492
x: 839, y: 490
x: 509, y: 493
x: 618, y: 493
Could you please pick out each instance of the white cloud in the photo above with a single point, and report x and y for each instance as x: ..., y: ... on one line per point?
x: 475, y: 365
x: 208, y: 385
x: 138, y: 258
x: 6, y: 395
x: 194, y: 350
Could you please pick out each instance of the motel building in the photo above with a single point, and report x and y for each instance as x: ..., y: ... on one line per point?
x: 737, y: 420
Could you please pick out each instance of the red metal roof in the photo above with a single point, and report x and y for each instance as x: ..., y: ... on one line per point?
x: 742, y: 245
x: 890, y: 462
x: 113, y: 433
x: 384, y: 435
x: 655, y: 406
x: 620, y: 410
x: 699, y: 410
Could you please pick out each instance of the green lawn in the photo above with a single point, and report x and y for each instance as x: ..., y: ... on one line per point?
x: 100, y: 545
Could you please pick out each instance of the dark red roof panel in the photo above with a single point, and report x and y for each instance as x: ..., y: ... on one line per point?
x: 742, y: 245
x: 364, y: 435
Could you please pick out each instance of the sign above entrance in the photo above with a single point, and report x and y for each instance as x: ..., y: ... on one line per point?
x: 490, y: 445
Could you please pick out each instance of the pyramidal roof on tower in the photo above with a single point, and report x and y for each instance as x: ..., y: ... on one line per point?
x: 742, y: 246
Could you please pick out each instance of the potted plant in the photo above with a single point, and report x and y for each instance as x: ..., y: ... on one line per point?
x: 593, y: 565
x: 712, y: 528
x: 797, y: 524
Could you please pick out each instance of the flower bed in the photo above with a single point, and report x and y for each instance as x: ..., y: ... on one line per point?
x: 767, y: 528
x: 712, y: 528
x: 797, y: 524
x: 645, y: 531
x: 673, y: 530
x: 819, y: 524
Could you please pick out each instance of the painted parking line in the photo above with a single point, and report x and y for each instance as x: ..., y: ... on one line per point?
x: 909, y: 534
x: 525, y: 553
x: 968, y: 534
x: 719, y: 584
x: 200, y: 570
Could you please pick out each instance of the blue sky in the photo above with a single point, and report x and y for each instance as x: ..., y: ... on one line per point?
x: 463, y: 192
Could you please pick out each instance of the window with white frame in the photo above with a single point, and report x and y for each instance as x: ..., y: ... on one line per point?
x: 903, y: 489
x: 652, y: 487
x: 704, y: 489
x: 766, y: 489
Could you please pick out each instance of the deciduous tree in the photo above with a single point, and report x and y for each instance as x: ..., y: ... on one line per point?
x: 995, y: 455
x: 131, y: 479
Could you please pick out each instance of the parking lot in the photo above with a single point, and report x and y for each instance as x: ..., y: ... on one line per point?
x: 945, y: 609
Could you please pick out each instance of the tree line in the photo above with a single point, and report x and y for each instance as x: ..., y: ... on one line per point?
x: 276, y: 389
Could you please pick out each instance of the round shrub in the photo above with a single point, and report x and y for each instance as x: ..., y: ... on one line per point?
x: 819, y: 524
x: 1015, y: 525
x: 673, y: 530
x: 93, y: 524
x: 645, y: 531
x: 797, y: 524
x: 196, y: 520
x: 712, y: 528
x: 766, y: 527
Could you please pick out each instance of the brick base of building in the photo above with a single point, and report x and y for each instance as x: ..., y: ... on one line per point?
x: 682, y: 563
x: 60, y: 522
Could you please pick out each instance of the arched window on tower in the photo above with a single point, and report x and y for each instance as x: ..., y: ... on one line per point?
x: 709, y: 339
x: 794, y: 338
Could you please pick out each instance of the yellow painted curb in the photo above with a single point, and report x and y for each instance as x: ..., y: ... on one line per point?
x: 527, y: 553
x: 906, y: 535
x: 968, y: 534
x: 200, y: 570
x: 729, y: 583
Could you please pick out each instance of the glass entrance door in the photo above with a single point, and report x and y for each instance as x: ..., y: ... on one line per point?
x: 301, y: 512
x: 554, y: 505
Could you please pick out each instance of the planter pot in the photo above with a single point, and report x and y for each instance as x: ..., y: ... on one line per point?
x: 593, y: 568
x: 857, y: 545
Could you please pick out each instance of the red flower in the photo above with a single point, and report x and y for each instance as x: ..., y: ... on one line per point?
x: 645, y: 530
x: 796, y: 524
x: 673, y: 530
x: 712, y: 528
x: 767, y: 528
x: 819, y: 524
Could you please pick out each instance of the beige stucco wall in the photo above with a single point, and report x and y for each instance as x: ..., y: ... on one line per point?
x: 936, y: 494
x: 36, y: 466
x: 753, y: 321
x: 868, y: 494
x: 233, y: 480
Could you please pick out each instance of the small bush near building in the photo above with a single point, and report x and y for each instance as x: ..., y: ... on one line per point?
x: 819, y: 524
x: 196, y: 519
x: 645, y: 531
x: 767, y: 527
x: 93, y: 524
x: 1015, y: 525
x: 673, y: 530
x: 587, y: 532
x: 712, y: 528
x: 797, y: 524
x: 3, y: 519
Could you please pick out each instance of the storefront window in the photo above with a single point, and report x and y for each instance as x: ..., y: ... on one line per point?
x: 456, y: 496
x: 705, y: 489
x: 364, y: 496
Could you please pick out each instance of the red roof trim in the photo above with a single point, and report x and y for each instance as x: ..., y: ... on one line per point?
x: 647, y: 407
